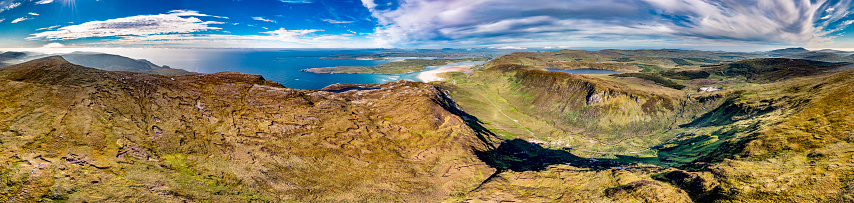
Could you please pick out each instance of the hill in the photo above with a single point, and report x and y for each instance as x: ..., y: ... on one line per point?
x: 772, y: 69
x: 784, y: 141
x: 777, y: 130
x: 120, y: 63
x: 10, y: 55
x: 826, y: 55
x: 71, y: 133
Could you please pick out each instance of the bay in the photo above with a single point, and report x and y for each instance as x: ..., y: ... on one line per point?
x: 280, y: 65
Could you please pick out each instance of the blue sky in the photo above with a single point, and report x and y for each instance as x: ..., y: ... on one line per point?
x: 692, y: 24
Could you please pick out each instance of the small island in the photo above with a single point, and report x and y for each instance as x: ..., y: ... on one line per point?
x: 397, y: 67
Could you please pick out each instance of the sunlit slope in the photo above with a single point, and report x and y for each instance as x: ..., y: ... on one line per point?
x: 802, y: 153
x: 71, y: 133
x: 601, y: 113
x: 779, y: 131
x: 772, y: 69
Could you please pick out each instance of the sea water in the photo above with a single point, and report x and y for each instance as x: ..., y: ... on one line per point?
x: 282, y: 66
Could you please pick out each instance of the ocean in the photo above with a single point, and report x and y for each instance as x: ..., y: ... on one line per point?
x: 270, y: 64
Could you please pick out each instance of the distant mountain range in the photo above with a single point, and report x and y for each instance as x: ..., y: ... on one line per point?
x: 826, y: 55
x: 101, y: 61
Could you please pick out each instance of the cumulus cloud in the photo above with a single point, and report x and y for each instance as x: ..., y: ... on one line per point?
x: 53, y: 45
x: 33, y: 14
x: 18, y: 20
x: 263, y: 19
x: 44, y: 2
x: 477, y: 21
x: 177, y: 21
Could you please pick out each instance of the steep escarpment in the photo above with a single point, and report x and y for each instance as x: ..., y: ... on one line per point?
x: 588, y: 105
x: 71, y: 133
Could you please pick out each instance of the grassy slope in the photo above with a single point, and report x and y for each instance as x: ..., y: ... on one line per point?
x: 787, y: 141
x: 70, y: 133
x: 602, y: 127
x: 771, y: 69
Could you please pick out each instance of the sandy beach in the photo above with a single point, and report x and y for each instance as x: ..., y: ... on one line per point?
x: 433, y: 75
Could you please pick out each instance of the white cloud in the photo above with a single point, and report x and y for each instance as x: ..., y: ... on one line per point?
x: 289, y: 35
x: 507, y: 47
x: 296, y: 1
x: 17, y: 20
x: 422, y: 20
x: 2, y: 19
x: 263, y: 19
x: 792, y: 22
x: 337, y: 21
x: 44, y: 2
x: 33, y: 14
x: 769, y: 21
x: 6, y: 5
x: 53, y: 45
x: 178, y: 21
x: 49, y: 28
x: 280, y: 38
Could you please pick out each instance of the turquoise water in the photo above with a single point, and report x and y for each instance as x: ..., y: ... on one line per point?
x: 585, y: 71
x: 283, y: 70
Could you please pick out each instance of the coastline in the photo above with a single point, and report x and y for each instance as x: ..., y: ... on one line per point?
x: 433, y: 75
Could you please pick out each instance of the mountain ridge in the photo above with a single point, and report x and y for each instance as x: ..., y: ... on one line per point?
x: 72, y: 133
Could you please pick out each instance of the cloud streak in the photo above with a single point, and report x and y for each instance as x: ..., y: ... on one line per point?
x: 336, y: 21
x: 263, y: 19
x: 177, y: 21
x: 270, y: 39
x: 21, y: 19
x: 296, y: 1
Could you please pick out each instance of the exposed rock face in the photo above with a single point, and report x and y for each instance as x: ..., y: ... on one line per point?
x: 709, y: 89
x: 74, y: 133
